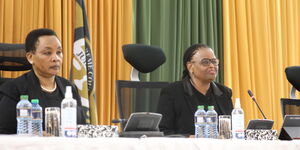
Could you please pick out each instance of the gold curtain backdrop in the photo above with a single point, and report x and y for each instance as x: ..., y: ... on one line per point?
x: 110, y: 24
x: 261, y: 38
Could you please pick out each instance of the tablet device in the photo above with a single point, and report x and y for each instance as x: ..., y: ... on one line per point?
x: 143, y: 121
x: 290, y: 128
x: 261, y: 124
x: 291, y: 121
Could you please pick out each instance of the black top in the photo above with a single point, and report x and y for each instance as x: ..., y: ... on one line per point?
x: 28, y: 84
x: 206, y: 100
x: 178, y: 103
x: 53, y: 100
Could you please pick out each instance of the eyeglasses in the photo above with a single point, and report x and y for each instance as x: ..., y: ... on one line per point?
x: 206, y: 61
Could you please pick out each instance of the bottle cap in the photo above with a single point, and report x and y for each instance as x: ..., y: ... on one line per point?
x: 237, y: 103
x: 200, y: 107
x: 68, y: 93
x: 35, y: 101
x: 24, y: 97
x: 211, y: 107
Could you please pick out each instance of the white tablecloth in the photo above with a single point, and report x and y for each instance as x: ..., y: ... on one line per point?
x: 52, y: 143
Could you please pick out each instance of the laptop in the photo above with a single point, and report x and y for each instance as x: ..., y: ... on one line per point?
x: 142, y: 124
x: 290, y: 128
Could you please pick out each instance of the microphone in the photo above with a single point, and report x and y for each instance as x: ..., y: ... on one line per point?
x: 253, y: 98
x: 119, y: 121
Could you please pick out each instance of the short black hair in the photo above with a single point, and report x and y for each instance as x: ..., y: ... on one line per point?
x: 188, y: 54
x: 33, y: 36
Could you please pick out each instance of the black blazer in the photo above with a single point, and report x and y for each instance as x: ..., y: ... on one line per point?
x: 28, y: 84
x: 178, y: 110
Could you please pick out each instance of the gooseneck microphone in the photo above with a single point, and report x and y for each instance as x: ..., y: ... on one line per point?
x: 253, y: 98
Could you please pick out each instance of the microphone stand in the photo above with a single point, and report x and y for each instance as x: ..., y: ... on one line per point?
x: 260, y: 110
x: 253, y: 98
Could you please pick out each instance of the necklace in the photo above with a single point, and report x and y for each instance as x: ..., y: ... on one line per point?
x: 47, y: 90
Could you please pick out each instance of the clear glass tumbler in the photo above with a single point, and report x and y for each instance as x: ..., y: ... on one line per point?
x: 224, y: 126
x: 52, y: 121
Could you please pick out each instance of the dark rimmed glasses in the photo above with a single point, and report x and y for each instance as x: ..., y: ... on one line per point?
x: 206, y: 61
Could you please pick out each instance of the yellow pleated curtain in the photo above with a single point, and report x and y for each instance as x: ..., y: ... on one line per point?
x: 110, y: 24
x: 261, y: 39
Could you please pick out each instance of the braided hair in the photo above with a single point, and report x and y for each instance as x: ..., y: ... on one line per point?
x: 188, y: 54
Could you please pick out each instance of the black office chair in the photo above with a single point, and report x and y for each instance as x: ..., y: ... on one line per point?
x: 135, y: 96
x: 292, y: 75
x: 143, y: 58
x: 12, y: 58
x: 291, y: 106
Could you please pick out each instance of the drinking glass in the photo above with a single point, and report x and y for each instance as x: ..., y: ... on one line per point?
x: 224, y: 126
x: 52, y: 121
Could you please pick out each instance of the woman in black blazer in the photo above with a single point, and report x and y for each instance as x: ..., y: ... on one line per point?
x: 44, y: 52
x: 178, y: 102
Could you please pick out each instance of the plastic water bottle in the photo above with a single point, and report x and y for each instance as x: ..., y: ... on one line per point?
x: 200, y: 122
x: 68, y: 114
x: 237, y: 115
x: 212, y: 123
x: 24, y: 125
x: 37, y: 118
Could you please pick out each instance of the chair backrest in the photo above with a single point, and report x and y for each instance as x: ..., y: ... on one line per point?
x: 292, y: 75
x: 13, y: 58
x: 143, y: 58
x: 135, y: 96
x: 290, y: 106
